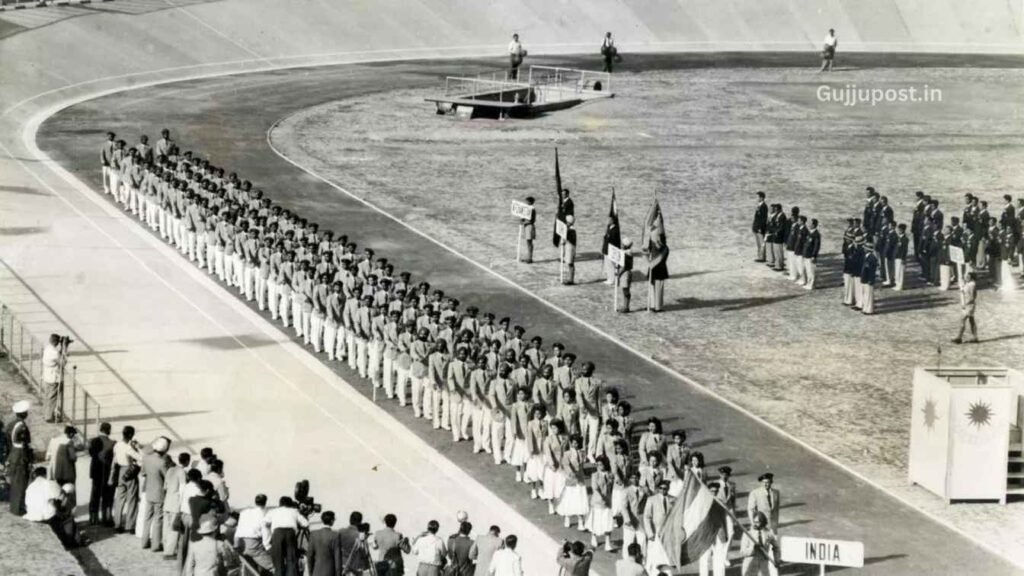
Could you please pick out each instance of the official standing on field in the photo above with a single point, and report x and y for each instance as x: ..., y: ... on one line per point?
x: 811, y: 248
x: 516, y: 53
x: 760, y: 227
x: 20, y: 457
x: 529, y: 226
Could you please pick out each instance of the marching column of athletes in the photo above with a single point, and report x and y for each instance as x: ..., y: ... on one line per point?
x: 566, y: 435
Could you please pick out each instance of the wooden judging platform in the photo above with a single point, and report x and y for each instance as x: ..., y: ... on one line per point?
x: 546, y: 89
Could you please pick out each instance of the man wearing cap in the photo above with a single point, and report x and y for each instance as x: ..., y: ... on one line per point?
x: 154, y: 466
x: 204, y: 556
x: 19, y: 459
x: 811, y: 248
x: 569, y: 250
x: 727, y: 495
x: 764, y: 500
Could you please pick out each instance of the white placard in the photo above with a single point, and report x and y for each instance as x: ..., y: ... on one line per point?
x: 956, y: 254
x: 561, y: 229
x: 822, y: 552
x: 522, y: 210
x: 616, y: 256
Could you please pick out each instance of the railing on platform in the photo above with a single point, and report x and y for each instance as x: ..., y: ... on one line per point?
x: 473, y: 88
x: 25, y: 352
x: 567, y: 82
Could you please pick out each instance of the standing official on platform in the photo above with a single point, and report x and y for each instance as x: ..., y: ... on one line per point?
x: 516, y: 53
x: 609, y: 52
x: 19, y: 458
x: 760, y: 227
x: 828, y: 51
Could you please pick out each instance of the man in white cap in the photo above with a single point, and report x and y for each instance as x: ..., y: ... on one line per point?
x: 155, y: 466
x: 569, y: 250
x: 19, y: 459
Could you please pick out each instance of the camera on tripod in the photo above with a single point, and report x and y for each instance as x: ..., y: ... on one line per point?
x: 306, y: 504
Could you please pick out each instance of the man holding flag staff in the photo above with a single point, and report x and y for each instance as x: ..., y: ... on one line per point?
x: 656, y: 247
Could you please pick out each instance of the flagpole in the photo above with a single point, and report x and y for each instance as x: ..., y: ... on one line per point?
x: 615, y: 298
x: 561, y: 260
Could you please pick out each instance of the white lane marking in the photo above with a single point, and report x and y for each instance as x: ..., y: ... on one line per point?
x: 446, y: 467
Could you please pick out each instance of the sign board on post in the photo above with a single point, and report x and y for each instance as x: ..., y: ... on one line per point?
x: 822, y: 552
x: 616, y: 256
x: 561, y: 229
x: 522, y: 210
x: 956, y: 254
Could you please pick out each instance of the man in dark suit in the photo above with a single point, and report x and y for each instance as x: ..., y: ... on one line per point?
x: 771, y: 230
x: 459, y: 547
x: 917, y: 222
x: 937, y: 218
x: 981, y: 230
x: 325, y: 557
x: 868, y: 217
x: 347, y: 537
x: 811, y: 248
x: 883, y: 213
x: 102, y: 499
x: 779, y: 237
x: 760, y: 226
x: 900, y: 256
x: 792, y: 237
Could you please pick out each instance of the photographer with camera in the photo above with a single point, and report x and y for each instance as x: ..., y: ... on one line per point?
x: 285, y: 522
x: 430, y: 551
x: 55, y: 357
x: 359, y: 562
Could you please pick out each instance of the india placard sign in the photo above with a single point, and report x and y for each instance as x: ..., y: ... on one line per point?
x: 956, y: 254
x: 561, y: 229
x: 822, y: 552
x: 616, y: 256
x: 522, y: 210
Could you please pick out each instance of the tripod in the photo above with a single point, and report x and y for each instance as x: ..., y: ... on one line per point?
x: 360, y: 547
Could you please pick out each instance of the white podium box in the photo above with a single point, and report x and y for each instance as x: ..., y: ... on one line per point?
x: 960, y: 429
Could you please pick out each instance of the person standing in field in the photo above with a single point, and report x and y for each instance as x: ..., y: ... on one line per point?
x: 968, y: 298
x: 609, y: 52
x: 828, y: 52
x: 516, y: 53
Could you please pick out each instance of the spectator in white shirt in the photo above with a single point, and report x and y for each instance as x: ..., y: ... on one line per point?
x: 506, y: 562
x: 61, y: 454
x: 516, y: 53
x: 284, y: 523
x: 430, y: 551
x: 41, y: 497
x: 253, y: 536
x: 828, y: 52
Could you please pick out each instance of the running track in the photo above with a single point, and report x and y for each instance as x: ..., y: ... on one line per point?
x: 228, y: 118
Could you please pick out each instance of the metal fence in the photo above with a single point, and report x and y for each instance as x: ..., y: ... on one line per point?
x: 25, y: 352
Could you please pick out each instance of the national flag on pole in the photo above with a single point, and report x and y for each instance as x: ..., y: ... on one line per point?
x: 559, y: 213
x: 653, y: 234
x: 693, y: 524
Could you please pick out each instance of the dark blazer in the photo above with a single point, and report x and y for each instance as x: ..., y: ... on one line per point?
x: 325, y: 553
x: 869, y: 271
x: 812, y: 245
x: 458, y: 555
x: 760, y: 225
x: 902, y: 245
